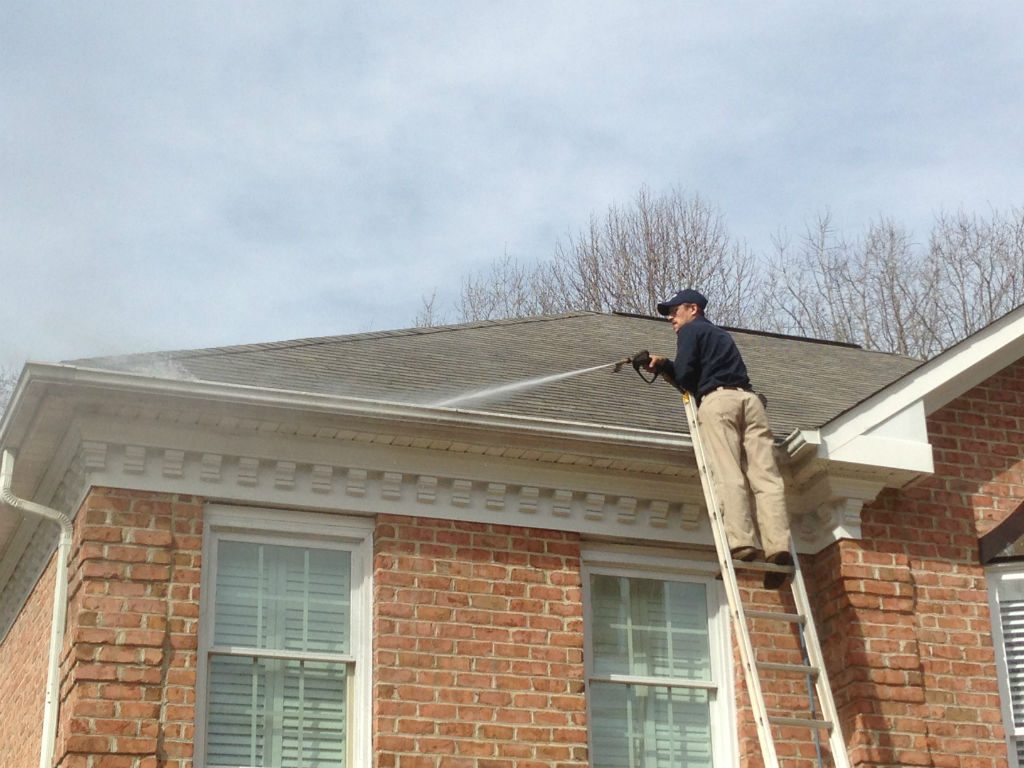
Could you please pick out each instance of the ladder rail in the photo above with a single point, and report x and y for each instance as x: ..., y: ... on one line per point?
x: 732, y: 592
x: 803, y: 619
x: 815, y: 658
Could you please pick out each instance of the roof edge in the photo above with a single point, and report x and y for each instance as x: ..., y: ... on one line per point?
x: 42, y: 374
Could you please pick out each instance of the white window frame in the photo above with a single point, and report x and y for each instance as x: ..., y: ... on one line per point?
x: 997, y: 575
x: 283, y: 527
x: 658, y: 563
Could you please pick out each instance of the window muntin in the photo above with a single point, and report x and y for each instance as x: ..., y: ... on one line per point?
x: 650, y: 726
x: 276, y: 712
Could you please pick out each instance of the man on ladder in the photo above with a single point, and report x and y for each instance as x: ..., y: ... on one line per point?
x: 735, y: 428
x: 732, y: 444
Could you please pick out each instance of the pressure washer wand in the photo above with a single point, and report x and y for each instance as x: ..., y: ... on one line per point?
x: 639, y: 361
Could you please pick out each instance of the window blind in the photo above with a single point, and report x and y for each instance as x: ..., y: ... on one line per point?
x: 265, y: 708
x: 648, y: 628
x: 1010, y: 596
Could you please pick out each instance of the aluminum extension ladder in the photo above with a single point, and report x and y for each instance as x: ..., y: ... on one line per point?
x: 813, y: 667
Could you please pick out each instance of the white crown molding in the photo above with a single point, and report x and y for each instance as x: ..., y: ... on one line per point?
x: 511, y: 495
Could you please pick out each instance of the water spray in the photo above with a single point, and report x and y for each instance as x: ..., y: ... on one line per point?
x: 639, y: 361
x: 491, y: 392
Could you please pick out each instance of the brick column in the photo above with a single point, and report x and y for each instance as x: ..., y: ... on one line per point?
x: 865, y: 604
x: 128, y: 674
x: 904, y: 612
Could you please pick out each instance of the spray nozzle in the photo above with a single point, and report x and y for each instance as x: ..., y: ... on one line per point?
x: 639, y: 361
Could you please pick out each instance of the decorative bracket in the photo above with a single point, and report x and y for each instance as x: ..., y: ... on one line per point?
x: 833, y: 509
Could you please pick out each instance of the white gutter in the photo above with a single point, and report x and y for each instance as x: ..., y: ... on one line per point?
x: 60, y: 600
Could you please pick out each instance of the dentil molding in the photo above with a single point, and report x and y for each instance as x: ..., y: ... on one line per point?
x: 375, y: 490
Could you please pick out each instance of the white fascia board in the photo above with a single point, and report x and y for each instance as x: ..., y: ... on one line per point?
x: 890, y: 426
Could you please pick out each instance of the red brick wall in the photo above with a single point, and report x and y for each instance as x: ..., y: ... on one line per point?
x: 904, y: 611
x: 478, y: 657
x: 479, y: 634
x: 129, y: 677
x: 23, y: 667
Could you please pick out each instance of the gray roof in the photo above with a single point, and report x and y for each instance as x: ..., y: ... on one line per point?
x: 807, y: 382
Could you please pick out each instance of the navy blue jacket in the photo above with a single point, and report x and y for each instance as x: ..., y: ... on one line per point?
x: 707, y: 357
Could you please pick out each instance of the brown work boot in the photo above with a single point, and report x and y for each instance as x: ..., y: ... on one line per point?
x: 773, y: 579
x: 746, y: 554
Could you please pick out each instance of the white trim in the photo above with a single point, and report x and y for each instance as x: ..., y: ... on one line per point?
x: 401, y: 480
x: 671, y: 565
x: 710, y: 685
x: 240, y: 650
x: 996, y: 575
x: 241, y: 519
x: 352, y: 534
x: 933, y: 384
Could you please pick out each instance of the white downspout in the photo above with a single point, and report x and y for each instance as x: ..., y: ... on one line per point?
x: 60, y: 603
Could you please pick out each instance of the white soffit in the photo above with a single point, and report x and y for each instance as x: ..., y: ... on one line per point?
x: 889, y: 428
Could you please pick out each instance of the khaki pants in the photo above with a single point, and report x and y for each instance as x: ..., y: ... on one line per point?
x: 738, y: 440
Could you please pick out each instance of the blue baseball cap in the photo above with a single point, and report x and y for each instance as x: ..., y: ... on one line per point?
x: 688, y: 296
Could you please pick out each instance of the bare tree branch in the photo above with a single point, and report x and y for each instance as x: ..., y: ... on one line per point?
x: 430, y: 314
x: 881, y: 290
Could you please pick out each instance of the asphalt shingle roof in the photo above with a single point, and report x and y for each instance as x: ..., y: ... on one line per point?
x: 807, y: 382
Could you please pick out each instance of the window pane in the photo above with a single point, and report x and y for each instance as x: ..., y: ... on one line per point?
x: 237, y: 697
x: 650, y: 628
x: 282, y: 597
x: 637, y: 726
x: 276, y: 713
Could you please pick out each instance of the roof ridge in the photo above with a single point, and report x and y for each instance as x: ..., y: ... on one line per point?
x: 772, y: 334
x: 314, y: 341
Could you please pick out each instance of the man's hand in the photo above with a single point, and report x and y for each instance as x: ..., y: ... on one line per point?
x: 662, y: 366
x: 655, y: 363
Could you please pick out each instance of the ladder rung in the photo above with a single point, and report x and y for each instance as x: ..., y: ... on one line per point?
x: 803, y: 669
x: 766, y: 567
x: 792, y: 618
x: 805, y: 722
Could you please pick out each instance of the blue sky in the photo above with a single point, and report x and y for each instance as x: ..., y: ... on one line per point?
x: 193, y: 174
